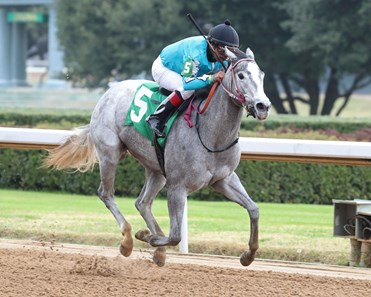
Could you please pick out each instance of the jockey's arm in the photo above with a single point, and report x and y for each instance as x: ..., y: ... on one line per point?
x: 191, y: 80
x: 194, y: 83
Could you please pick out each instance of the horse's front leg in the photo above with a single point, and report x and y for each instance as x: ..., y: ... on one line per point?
x: 232, y: 188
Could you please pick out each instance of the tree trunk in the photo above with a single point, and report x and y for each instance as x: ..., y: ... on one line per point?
x: 273, y: 94
x: 356, y: 84
x: 311, y: 86
x: 290, y: 97
x: 332, y: 93
x: 342, y: 107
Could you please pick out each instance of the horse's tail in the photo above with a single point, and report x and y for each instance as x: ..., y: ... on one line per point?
x: 78, y: 152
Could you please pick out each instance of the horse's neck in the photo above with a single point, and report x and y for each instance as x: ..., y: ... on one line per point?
x: 221, y: 121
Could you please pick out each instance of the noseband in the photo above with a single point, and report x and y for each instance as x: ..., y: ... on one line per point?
x: 240, y: 97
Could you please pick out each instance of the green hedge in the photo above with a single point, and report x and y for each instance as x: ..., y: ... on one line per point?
x: 342, y: 125
x: 63, y: 121
x: 67, y: 120
x: 20, y: 169
x: 265, y: 181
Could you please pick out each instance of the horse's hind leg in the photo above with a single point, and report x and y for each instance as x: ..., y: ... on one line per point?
x: 176, y: 197
x: 109, y: 156
x: 232, y: 188
x: 154, y: 183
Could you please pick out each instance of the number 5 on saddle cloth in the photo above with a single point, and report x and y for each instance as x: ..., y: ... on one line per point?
x: 146, y: 100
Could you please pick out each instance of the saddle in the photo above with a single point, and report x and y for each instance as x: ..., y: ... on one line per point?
x: 199, y: 94
x: 146, y: 99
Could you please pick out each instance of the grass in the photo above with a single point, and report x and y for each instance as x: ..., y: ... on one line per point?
x: 358, y: 107
x: 287, y: 232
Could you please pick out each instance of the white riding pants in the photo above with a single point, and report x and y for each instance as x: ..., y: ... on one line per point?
x: 169, y: 79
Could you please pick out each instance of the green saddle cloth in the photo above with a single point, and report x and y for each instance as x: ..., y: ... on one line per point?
x: 145, y: 102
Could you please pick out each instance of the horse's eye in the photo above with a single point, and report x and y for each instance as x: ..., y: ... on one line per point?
x: 241, y: 76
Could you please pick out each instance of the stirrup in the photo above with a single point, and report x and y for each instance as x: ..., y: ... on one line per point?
x: 156, y: 125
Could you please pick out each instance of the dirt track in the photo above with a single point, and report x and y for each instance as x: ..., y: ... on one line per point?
x: 44, y: 269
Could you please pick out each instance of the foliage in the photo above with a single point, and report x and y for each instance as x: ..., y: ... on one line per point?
x: 301, y: 45
x: 72, y: 119
x: 312, y: 123
x: 61, y: 120
x: 105, y: 38
x: 308, y: 46
x: 265, y: 181
x: 335, y: 36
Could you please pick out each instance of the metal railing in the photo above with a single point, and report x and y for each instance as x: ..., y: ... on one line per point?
x: 264, y: 149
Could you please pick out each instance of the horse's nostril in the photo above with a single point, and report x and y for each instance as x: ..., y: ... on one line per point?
x: 260, y: 106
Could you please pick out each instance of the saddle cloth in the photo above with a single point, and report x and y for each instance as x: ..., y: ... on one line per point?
x: 145, y: 102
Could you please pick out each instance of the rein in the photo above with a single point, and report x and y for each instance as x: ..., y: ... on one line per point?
x: 211, y: 93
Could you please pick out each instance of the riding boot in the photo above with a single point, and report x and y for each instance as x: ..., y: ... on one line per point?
x: 164, y: 111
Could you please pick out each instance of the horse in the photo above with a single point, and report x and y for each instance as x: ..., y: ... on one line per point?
x: 205, y: 155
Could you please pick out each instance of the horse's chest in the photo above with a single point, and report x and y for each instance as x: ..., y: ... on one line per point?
x: 208, y: 170
x: 189, y: 162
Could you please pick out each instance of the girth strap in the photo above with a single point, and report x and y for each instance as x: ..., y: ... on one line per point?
x: 160, y: 153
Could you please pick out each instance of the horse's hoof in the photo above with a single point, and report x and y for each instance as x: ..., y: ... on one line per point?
x: 142, y: 234
x: 247, y: 258
x: 157, y: 240
x: 126, y: 247
x: 159, y: 256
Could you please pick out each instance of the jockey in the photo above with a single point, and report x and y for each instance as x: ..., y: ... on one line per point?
x: 185, y: 66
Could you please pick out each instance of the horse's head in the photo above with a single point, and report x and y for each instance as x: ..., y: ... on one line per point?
x: 244, y: 83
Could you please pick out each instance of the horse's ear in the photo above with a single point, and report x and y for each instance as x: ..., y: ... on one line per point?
x: 250, y: 54
x: 230, y: 54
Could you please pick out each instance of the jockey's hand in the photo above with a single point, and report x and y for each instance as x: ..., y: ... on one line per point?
x: 219, y: 76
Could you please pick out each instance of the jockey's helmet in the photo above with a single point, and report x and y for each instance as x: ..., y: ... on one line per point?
x: 224, y: 35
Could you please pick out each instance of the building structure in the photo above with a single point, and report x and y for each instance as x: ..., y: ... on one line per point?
x: 14, y: 14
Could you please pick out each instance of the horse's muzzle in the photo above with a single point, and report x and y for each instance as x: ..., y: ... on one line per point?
x: 259, y: 110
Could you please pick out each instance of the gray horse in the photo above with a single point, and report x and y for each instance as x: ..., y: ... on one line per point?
x: 205, y: 155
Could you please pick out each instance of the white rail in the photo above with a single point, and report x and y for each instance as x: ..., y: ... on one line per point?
x: 32, y: 138
x: 267, y: 149
x: 296, y: 150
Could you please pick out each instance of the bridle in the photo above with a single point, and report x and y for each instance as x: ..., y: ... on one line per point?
x: 240, y: 97
x: 237, y: 94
